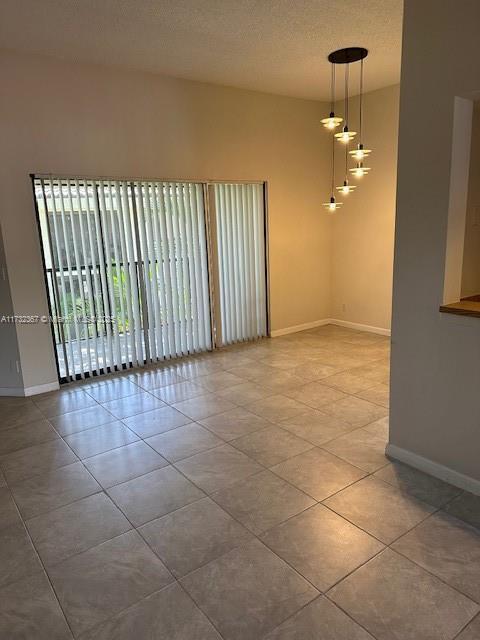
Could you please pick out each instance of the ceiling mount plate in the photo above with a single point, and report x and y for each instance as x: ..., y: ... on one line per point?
x: 345, y: 56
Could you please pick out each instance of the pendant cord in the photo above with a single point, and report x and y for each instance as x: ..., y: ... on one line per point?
x: 361, y: 100
x: 346, y: 93
x: 333, y: 165
x: 332, y: 89
x: 346, y: 162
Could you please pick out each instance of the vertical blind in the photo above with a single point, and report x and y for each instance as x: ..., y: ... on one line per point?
x: 126, y: 268
x: 240, y: 222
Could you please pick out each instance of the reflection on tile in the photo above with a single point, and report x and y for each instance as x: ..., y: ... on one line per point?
x: 316, y: 394
x: 100, y: 439
x: 99, y: 583
x: 152, y: 422
x: 448, y: 548
x: 64, y: 532
x: 401, y: 600
x: 182, y: 442
x: 156, y: 378
x: 316, y: 427
x: 204, y: 406
x: 361, y: 448
x: 321, y: 545
x: 271, y: 446
x: 18, y: 558
x: 355, y: 411
x: 80, y: 420
x: 131, y: 405
x: 179, y: 391
x: 466, y: 507
x: 26, y: 435
x: 244, y: 393
x: 40, y: 458
x: 262, y: 501
x: 235, y: 423
x: 319, y: 620
x: 193, y: 535
x: 29, y: 610
x: 218, y: 468
x: 276, y: 408
x: 318, y: 473
x: 125, y: 463
x: 111, y: 389
x: 53, y: 489
x: 418, y: 484
x: 217, y: 381
x: 57, y: 402
x: 379, y: 508
x: 154, y: 494
x: 169, y: 612
x: 248, y: 592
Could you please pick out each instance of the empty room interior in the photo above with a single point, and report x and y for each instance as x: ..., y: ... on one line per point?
x: 240, y: 320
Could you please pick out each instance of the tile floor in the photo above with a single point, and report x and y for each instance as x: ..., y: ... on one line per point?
x: 242, y: 494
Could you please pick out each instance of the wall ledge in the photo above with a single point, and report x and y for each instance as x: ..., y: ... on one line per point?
x: 435, y: 469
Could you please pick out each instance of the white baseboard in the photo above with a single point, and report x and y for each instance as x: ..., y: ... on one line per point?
x: 320, y: 323
x: 42, y: 388
x: 299, y: 327
x: 434, y: 469
x: 361, y: 327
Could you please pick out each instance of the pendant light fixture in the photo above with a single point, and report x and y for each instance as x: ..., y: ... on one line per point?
x: 360, y: 153
x: 346, y: 57
x: 332, y: 121
x: 346, y: 188
x: 332, y: 205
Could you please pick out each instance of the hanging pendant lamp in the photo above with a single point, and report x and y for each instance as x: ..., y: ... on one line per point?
x: 332, y: 121
x: 360, y: 153
x: 346, y: 188
x: 346, y: 135
x: 333, y: 204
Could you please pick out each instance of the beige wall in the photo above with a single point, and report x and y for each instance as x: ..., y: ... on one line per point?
x: 88, y: 120
x: 362, y: 232
x: 471, y: 249
x: 435, y: 399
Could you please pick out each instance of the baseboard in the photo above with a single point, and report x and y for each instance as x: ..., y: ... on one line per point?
x: 299, y: 327
x: 434, y: 469
x: 361, y: 327
x: 321, y: 323
x: 41, y: 388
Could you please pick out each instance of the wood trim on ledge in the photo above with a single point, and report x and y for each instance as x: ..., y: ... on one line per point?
x: 462, y: 308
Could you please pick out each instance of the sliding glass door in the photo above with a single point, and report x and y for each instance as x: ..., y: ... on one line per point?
x: 141, y: 271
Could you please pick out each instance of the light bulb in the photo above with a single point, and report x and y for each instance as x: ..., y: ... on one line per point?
x: 331, y: 122
x: 332, y: 205
x: 346, y: 188
x: 360, y: 153
x: 359, y: 171
x: 345, y: 135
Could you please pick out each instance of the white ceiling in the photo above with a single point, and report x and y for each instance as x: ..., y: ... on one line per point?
x: 277, y: 46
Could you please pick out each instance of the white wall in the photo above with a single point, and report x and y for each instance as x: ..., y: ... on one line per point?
x: 435, y: 398
x: 88, y: 120
x: 363, y: 231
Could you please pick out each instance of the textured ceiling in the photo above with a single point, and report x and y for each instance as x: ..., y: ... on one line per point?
x: 277, y: 46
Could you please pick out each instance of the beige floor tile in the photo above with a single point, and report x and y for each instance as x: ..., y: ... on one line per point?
x: 245, y: 393
x: 57, y: 402
x: 26, y: 435
x: 348, y: 382
x: 80, y: 420
x: 448, y: 548
x: 355, y: 411
x: 466, y: 507
x: 262, y: 501
x: 18, y: 558
x: 100, y: 439
x: 183, y: 442
x: 271, y: 446
x: 202, y: 407
x: 315, y: 394
x: 235, y: 423
x: 105, y: 390
x: 316, y: 426
x: 379, y: 509
x: 361, y: 448
x: 318, y: 473
x: 179, y: 391
x: 132, y: 405
x: 276, y: 408
x: 19, y: 413
x: 379, y: 394
x: 216, y: 381
x: 32, y: 461
x: 321, y: 546
x: 401, y: 600
x: 471, y: 631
